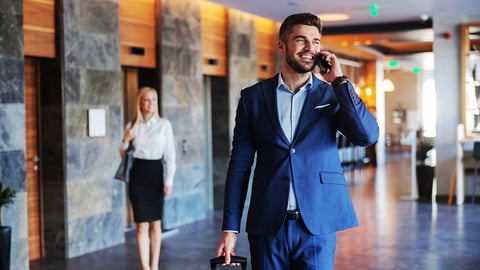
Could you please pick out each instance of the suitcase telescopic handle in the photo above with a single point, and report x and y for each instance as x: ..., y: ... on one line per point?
x: 233, y: 259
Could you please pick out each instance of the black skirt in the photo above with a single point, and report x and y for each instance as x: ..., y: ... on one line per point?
x: 146, y: 190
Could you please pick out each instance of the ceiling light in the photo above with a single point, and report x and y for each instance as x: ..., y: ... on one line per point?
x: 333, y: 17
x: 368, y: 91
x: 387, y: 85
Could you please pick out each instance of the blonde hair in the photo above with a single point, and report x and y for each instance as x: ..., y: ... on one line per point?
x: 138, y: 108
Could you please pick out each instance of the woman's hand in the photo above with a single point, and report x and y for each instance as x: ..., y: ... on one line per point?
x: 128, y: 135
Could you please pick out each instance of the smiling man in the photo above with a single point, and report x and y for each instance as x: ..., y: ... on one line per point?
x: 299, y: 197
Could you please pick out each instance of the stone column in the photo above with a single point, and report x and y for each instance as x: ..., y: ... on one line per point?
x: 12, y: 128
x: 183, y: 103
x: 86, y: 211
x: 242, y: 57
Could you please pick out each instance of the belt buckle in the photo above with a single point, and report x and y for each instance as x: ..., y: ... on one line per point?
x: 294, y: 214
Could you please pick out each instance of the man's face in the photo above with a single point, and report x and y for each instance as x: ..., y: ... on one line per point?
x: 302, y: 46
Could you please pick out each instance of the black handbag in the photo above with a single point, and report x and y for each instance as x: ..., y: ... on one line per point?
x: 123, y: 171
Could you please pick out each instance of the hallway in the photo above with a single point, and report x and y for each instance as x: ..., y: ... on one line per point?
x: 393, y: 233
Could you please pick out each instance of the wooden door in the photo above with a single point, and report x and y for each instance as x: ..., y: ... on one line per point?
x: 35, y: 220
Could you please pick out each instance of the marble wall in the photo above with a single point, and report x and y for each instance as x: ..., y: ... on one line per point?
x: 95, y: 210
x: 242, y: 72
x: 88, y: 213
x: 183, y: 102
x: 12, y: 128
x: 242, y: 57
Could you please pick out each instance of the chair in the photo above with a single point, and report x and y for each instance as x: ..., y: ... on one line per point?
x: 476, y: 157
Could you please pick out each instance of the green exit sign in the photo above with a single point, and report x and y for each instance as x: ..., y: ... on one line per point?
x: 373, y: 10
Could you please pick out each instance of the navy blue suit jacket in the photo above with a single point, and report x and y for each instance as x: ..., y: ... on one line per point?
x: 310, y: 160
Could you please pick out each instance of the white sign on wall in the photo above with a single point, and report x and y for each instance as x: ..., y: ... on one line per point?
x: 96, y: 123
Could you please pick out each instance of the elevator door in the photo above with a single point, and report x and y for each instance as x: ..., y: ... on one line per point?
x: 32, y: 160
x: 130, y: 86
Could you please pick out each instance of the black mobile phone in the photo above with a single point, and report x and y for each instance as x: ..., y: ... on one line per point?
x: 323, y: 64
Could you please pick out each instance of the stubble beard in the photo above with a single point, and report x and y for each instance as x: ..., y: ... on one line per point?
x: 295, y: 65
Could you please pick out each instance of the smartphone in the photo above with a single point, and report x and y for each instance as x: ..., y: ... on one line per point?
x: 323, y: 64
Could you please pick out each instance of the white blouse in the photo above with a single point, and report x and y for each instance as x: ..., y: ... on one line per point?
x: 154, y: 140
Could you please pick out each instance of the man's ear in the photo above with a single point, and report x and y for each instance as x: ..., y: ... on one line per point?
x: 281, y: 45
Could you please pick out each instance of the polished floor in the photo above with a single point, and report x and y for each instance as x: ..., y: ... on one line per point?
x: 394, y: 233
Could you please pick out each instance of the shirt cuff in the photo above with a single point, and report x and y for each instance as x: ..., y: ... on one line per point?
x: 124, y: 145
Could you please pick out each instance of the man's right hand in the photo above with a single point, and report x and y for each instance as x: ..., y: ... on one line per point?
x: 226, y: 247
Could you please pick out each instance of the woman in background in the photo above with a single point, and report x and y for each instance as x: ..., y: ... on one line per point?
x: 149, y: 184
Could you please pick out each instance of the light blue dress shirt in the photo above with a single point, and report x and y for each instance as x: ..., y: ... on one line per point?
x: 289, y: 106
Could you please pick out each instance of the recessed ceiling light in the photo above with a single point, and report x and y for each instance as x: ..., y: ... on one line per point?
x: 333, y: 17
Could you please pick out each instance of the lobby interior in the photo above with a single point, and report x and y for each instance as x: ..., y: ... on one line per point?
x: 65, y: 60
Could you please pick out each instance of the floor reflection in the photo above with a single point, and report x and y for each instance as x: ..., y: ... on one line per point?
x: 393, y: 234
x: 406, y: 234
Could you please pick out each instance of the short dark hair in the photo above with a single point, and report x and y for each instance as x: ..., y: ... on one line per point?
x: 296, y: 19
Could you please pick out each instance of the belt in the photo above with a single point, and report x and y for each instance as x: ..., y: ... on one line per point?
x: 293, y: 214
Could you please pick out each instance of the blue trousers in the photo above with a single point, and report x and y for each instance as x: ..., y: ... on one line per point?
x: 293, y: 248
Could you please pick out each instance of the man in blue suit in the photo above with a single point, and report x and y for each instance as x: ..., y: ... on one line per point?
x: 299, y: 196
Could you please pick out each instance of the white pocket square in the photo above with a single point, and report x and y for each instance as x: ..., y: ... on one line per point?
x: 322, y: 106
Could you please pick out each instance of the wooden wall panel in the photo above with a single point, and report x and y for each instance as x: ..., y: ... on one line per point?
x: 39, y: 28
x: 137, y: 32
x: 214, y: 39
x: 266, y: 46
x: 370, y: 73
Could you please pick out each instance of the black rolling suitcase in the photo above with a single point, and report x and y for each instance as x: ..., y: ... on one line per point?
x: 235, y: 259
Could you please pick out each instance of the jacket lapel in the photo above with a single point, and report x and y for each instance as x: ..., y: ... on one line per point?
x: 269, y: 90
x: 313, y: 99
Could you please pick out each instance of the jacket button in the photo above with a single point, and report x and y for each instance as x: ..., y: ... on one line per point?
x: 292, y: 151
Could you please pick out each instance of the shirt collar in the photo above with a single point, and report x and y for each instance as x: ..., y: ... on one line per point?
x: 150, y: 121
x: 282, y: 86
